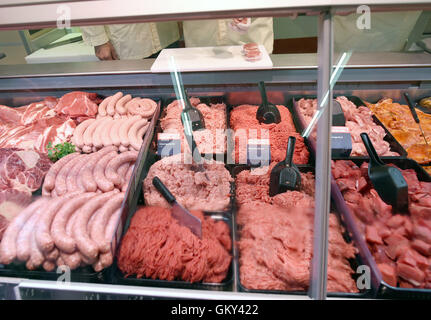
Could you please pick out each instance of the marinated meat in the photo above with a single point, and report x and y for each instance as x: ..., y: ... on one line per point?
x: 399, y: 121
x: 243, y: 121
x: 400, y: 243
x: 191, y: 188
x: 155, y: 246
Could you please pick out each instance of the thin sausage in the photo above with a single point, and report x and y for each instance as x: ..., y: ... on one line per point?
x: 87, y: 172
x: 114, y: 133
x: 99, y: 226
x: 83, y: 241
x: 106, y: 259
x: 49, y: 182
x: 49, y: 266
x: 124, y: 130
x: 23, y: 242
x: 115, y: 163
x: 52, y: 255
x: 120, y: 107
x: 78, y: 134
x: 61, y: 239
x: 134, y: 140
x: 127, y: 178
x: 123, y: 149
x: 43, y: 227
x: 110, y: 109
x: 72, y: 260
x: 105, y: 134
x: 36, y: 256
x: 72, y: 176
x: 102, y: 106
x: 8, y: 248
x: 87, y: 149
x: 89, y: 132
x: 97, y: 134
x: 122, y: 171
x: 60, y: 180
x: 99, y: 172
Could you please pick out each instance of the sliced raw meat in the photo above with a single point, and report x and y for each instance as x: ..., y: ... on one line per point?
x: 77, y: 104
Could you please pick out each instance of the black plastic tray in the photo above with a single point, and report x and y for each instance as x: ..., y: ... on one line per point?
x: 225, y: 285
x: 394, y: 144
x: 208, y: 100
x: 354, y: 263
x: 382, y: 289
x: 297, y: 128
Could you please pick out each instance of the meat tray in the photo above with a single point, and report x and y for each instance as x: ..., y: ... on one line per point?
x: 394, y: 144
x: 380, y: 288
x: 354, y: 263
x: 225, y: 285
x: 87, y: 274
x: 297, y: 128
x: 204, y: 99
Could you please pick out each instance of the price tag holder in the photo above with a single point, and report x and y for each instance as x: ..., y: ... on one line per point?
x: 168, y: 144
x: 258, y: 152
x: 341, y: 142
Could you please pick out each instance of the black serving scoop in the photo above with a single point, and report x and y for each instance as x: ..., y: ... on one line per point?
x: 415, y: 115
x: 285, y: 175
x: 338, y: 118
x: 181, y: 214
x: 195, y: 116
x: 387, y: 180
x: 267, y: 113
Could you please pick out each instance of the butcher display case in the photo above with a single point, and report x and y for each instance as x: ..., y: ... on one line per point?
x: 356, y: 249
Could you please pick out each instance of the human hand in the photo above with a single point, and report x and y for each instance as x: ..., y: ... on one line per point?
x: 106, y: 51
x: 240, y: 25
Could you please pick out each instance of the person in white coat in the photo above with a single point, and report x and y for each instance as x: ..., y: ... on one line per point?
x: 130, y: 41
x: 206, y: 33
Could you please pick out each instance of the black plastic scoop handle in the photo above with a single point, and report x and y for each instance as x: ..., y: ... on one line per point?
x: 338, y: 118
x: 285, y: 175
x: 195, y: 116
x: 267, y: 113
x: 387, y: 180
x: 414, y: 114
x: 182, y: 215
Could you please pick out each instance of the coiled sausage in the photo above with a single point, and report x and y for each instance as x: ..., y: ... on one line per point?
x: 60, y: 180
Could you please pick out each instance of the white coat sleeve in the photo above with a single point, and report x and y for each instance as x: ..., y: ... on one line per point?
x: 94, y: 35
